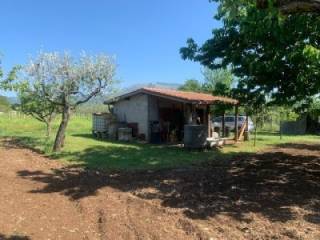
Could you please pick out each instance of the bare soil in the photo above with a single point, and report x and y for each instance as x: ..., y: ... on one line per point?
x: 273, y: 194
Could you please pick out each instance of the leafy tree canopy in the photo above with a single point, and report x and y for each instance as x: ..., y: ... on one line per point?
x: 32, y: 101
x: 4, y: 104
x: 1, y: 72
x: 218, y: 81
x: 274, y: 57
x: 191, y: 85
x: 67, y: 82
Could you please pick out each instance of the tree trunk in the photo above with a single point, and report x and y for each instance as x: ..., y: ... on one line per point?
x: 236, y: 114
x: 255, y: 130
x: 59, y: 141
x: 223, y: 125
x: 246, y: 132
x: 48, y: 129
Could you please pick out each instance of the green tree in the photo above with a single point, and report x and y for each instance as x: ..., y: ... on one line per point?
x: 191, y: 85
x: 67, y: 82
x: 218, y: 81
x: 4, y: 104
x: 32, y: 101
x: 1, y: 72
x: 268, y: 53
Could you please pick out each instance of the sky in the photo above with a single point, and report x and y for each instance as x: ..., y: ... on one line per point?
x: 144, y: 35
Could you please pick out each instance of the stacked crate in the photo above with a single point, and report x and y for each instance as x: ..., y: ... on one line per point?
x: 102, y: 125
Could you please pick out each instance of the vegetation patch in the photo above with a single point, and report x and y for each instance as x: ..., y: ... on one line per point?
x: 82, y: 148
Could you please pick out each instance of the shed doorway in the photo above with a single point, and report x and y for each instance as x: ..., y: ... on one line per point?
x: 171, y: 124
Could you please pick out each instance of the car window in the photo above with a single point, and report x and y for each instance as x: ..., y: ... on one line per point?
x: 217, y: 119
x: 241, y: 119
x: 229, y: 119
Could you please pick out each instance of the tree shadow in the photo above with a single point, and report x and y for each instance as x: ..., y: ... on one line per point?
x: 14, y: 237
x: 268, y: 183
x: 301, y: 146
x: 134, y: 142
x: 32, y: 143
x: 268, y: 133
x: 129, y: 156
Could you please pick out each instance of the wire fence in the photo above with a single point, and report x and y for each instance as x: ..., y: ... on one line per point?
x: 20, y: 115
x: 270, y: 120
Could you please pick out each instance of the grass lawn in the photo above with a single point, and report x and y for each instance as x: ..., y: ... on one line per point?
x: 81, y: 148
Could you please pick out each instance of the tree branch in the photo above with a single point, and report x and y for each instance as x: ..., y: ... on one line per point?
x: 290, y: 7
x: 94, y: 93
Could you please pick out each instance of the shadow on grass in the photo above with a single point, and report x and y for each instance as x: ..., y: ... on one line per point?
x: 38, y: 145
x: 133, y: 156
x: 13, y: 237
x: 267, y: 133
x: 269, y: 183
x: 300, y: 146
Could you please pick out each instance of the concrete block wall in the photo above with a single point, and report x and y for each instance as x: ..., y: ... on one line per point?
x: 153, y: 108
x: 134, y: 109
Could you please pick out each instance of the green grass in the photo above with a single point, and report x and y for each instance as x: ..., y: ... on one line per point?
x: 81, y: 148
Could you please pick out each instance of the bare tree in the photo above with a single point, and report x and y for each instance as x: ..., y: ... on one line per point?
x: 68, y: 82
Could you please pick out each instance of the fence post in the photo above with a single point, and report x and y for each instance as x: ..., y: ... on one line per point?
x: 236, y: 114
x: 255, y: 130
x: 280, y: 127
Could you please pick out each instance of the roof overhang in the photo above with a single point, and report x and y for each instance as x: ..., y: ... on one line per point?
x: 215, y: 99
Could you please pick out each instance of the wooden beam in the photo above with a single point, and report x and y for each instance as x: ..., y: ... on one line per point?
x: 223, y: 125
x: 236, y: 114
x: 242, y: 129
x: 209, y: 121
x: 246, y: 135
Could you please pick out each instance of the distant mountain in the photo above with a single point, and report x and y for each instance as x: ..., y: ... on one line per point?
x: 137, y: 86
x: 13, y: 100
x: 4, y: 104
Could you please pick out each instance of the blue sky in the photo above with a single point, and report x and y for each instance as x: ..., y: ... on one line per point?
x: 144, y: 35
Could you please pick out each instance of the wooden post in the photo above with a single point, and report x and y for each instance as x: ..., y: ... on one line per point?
x: 188, y: 114
x: 246, y: 134
x: 223, y: 125
x: 236, y: 114
x: 193, y: 114
x: 280, y: 128
x: 209, y: 120
x: 204, y: 117
x: 255, y: 130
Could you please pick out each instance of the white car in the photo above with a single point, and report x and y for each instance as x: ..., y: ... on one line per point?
x: 229, y: 122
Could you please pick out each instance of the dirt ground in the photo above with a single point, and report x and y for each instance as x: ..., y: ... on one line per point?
x: 269, y: 195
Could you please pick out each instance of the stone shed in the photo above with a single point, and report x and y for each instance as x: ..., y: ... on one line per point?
x: 160, y: 114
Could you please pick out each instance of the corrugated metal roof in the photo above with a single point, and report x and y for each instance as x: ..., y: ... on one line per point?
x: 190, y: 97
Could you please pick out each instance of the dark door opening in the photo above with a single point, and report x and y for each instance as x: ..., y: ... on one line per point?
x: 171, y: 125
